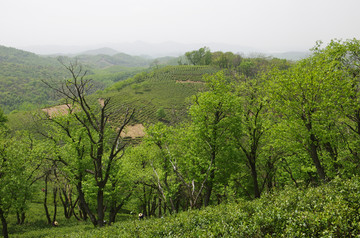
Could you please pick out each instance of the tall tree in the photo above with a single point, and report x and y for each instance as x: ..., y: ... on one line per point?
x: 105, y: 145
x: 254, y: 119
x: 304, y: 97
x: 212, y: 114
x: 18, y: 169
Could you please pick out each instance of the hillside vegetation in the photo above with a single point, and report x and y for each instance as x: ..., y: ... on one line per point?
x: 327, y: 211
x: 228, y: 146
x: 164, y: 89
x: 22, y: 73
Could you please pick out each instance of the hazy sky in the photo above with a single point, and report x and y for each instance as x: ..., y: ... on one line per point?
x: 271, y: 25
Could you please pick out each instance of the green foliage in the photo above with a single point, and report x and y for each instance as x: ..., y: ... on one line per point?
x: 199, y: 57
x: 160, y: 113
x: 226, y: 60
x: 258, y: 128
x: 3, y: 118
x: 327, y: 211
x: 166, y: 87
x: 21, y: 74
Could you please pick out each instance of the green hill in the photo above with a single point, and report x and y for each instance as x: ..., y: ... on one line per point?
x: 150, y: 92
x: 164, y: 89
x: 22, y: 73
x: 120, y: 59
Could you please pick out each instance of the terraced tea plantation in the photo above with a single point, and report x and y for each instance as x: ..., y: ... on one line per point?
x: 166, y: 89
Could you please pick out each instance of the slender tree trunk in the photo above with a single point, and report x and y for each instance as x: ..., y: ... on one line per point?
x: 112, y: 214
x: 4, y: 224
x: 84, y: 205
x: 100, y: 207
x: 114, y: 209
x: 210, y: 181
x: 254, y: 177
x: 160, y: 214
x: 270, y: 175
x: 45, y: 200
x: 65, y: 203
x: 313, y: 151
x: 20, y: 216
x: 55, y: 205
x: 208, y: 190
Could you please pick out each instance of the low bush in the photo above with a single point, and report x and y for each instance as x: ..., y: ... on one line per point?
x: 331, y: 210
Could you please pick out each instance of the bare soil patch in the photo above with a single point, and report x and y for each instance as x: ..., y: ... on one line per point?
x: 101, y: 102
x: 188, y: 81
x: 137, y: 130
x: 57, y: 110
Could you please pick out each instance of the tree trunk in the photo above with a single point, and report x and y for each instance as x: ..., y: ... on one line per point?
x: 254, y: 176
x: 84, y: 205
x: 55, y: 205
x: 160, y: 214
x: 313, y: 151
x: 20, y: 216
x: 209, y: 187
x: 100, y: 207
x: 112, y: 214
x: 4, y: 224
x: 45, y: 200
x: 210, y: 181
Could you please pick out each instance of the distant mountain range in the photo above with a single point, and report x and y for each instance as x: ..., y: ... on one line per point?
x: 152, y: 50
x: 292, y: 55
x: 101, y: 51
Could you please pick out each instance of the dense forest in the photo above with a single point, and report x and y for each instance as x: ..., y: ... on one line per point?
x: 228, y: 146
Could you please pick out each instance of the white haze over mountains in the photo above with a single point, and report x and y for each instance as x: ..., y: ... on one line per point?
x: 245, y: 26
x: 154, y: 50
x: 140, y: 48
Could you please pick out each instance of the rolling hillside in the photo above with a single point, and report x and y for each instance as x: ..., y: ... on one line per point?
x: 21, y: 75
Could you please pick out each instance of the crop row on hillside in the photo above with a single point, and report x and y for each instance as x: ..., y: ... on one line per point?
x: 161, y: 88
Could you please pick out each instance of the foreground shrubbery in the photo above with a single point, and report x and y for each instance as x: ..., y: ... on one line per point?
x: 331, y: 210
x: 326, y: 211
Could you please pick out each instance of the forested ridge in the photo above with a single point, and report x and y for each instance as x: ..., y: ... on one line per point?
x: 22, y: 73
x: 233, y: 146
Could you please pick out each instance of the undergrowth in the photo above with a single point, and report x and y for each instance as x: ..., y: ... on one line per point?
x: 329, y: 210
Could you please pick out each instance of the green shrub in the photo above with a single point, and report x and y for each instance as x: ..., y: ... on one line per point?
x: 330, y: 210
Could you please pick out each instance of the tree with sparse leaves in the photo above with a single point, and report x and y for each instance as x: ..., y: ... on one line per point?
x: 92, y: 137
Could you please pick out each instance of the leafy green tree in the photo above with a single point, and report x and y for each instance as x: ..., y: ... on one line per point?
x: 19, y: 163
x: 344, y: 58
x: 199, y: 57
x: 212, y: 114
x: 226, y: 60
x: 254, y: 119
x: 305, y: 97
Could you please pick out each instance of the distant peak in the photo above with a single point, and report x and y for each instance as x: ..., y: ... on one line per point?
x: 100, y: 51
